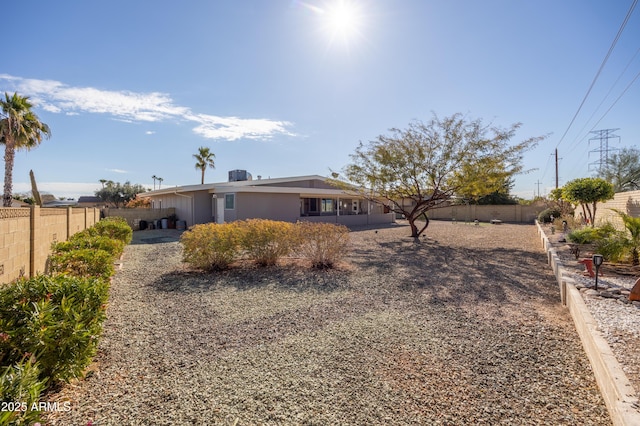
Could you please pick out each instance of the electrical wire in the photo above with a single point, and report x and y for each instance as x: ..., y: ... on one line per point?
x: 606, y: 58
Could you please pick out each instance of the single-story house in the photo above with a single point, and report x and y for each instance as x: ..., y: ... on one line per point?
x: 292, y: 199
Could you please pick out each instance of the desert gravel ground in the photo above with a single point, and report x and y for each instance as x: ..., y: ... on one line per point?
x: 462, y: 327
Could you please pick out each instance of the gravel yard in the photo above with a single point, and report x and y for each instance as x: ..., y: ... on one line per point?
x: 462, y: 327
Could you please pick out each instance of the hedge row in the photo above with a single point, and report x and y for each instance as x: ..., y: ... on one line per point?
x: 215, y: 246
x: 49, y: 324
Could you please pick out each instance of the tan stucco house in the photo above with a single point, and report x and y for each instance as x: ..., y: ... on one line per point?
x: 304, y: 198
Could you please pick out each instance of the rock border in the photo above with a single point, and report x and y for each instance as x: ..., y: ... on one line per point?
x: 617, y: 392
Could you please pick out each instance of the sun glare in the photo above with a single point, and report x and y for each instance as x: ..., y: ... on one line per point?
x: 343, y: 20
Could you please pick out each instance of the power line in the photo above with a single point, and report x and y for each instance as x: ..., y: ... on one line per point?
x: 606, y: 58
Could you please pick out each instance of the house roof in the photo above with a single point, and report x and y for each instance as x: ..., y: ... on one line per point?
x: 260, y: 185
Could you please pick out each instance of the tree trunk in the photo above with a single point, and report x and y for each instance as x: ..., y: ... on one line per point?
x: 415, y: 232
x: 9, y: 155
x: 202, y: 182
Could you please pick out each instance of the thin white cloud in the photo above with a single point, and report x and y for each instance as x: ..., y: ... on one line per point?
x: 149, y: 132
x: 233, y: 128
x: 117, y: 171
x: 57, y: 97
x: 59, y: 189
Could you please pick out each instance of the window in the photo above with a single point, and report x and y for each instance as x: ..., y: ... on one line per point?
x: 229, y: 201
x: 327, y: 205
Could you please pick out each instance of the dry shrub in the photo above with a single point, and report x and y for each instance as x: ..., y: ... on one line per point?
x: 322, y: 243
x: 211, y: 246
x: 266, y: 241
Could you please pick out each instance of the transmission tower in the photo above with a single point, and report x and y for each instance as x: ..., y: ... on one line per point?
x: 603, y: 136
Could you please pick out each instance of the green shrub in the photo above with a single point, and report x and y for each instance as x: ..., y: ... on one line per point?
x: 82, y: 263
x: 265, y: 241
x: 211, y: 246
x: 545, y: 215
x: 113, y: 227
x: 85, y: 241
x: 21, y: 384
x: 590, y: 235
x: 57, y: 319
x: 322, y: 243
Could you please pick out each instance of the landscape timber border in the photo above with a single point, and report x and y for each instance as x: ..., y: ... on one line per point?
x: 618, y: 393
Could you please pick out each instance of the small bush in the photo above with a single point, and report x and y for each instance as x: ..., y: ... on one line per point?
x: 266, y: 241
x: 85, y: 241
x: 57, y: 319
x: 21, y: 384
x: 113, y: 227
x: 590, y: 235
x: 82, y: 263
x: 322, y: 243
x: 211, y: 246
x: 545, y: 215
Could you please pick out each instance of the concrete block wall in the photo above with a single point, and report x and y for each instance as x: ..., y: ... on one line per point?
x: 628, y: 202
x: 506, y: 213
x: 14, y: 243
x: 26, y: 235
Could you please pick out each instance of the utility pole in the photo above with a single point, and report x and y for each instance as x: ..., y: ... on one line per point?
x: 538, y: 183
x: 556, y: 168
x: 603, y: 136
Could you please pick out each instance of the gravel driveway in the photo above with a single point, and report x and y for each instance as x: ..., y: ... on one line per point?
x: 462, y: 327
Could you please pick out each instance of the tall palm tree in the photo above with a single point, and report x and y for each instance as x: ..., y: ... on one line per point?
x: 205, y: 158
x: 159, y: 181
x: 154, y: 177
x: 20, y: 128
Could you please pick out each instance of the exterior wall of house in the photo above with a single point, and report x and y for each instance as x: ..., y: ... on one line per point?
x: 285, y: 207
x: 202, y: 207
x: 183, y: 205
x: 134, y: 216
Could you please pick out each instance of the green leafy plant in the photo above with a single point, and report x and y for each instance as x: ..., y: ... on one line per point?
x: 322, y: 243
x: 57, y: 319
x: 545, y: 215
x: 590, y: 235
x: 211, y: 246
x: 82, y: 263
x: 629, y: 241
x: 113, y: 227
x: 266, y: 241
x: 85, y: 241
x: 21, y: 387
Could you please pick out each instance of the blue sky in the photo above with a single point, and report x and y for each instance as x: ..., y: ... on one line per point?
x: 131, y: 89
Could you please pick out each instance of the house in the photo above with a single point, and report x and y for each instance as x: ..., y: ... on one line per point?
x: 304, y: 198
x: 90, y: 201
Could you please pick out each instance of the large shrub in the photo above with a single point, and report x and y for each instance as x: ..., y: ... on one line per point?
x: 211, y: 246
x: 82, y: 263
x: 545, y: 215
x: 113, y: 227
x: 85, y: 241
x: 266, y: 241
x: 322, y: 243
x: 57, y: 319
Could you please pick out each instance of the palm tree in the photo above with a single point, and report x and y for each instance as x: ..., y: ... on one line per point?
x: 103, y: 181
x: 154, y: 177
x: 205, y: 158
x: 159, y: 181
x: 19, y: 128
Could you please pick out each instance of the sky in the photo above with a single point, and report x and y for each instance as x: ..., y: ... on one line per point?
x: 132, y: 89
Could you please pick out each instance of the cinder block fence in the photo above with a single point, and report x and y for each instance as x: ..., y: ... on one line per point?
x: 26, y: 235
